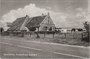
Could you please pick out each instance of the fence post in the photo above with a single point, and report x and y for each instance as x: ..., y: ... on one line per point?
x: 44, y: 34
x: 53, y: 35
x: 82, y: 35
x: 73, y: 35
x: 30, y: 34
x: 37, y: 33
x: 65, y: 35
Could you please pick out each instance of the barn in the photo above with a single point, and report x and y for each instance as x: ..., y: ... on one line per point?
x: 38, y: 23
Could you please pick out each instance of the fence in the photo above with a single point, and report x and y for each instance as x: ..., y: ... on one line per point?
x: 57, y: 35
x: 52, y: 35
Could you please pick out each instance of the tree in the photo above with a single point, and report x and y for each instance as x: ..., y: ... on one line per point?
x: 73, y: 29
x: 86, y: 25
x: 32, y: 29
x: 1, y: 29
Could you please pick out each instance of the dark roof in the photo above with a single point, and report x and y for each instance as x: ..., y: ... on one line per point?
x: 17, y: 24
x: 31, y: 22
x: 35, y: 21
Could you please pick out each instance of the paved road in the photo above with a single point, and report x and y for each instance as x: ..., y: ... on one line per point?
x: 15, y: 52
x: 41, y: 50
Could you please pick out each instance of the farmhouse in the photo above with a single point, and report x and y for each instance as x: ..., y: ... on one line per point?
x: 38, y: 23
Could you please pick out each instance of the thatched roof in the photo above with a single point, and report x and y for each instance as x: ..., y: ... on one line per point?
x: 17, y: 24
x: 31, y: 22
x: 35, y: 21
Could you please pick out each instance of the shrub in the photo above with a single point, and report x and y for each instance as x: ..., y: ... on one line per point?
x: 32, y: 29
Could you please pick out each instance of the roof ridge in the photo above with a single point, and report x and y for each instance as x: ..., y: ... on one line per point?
x: 24, y: 22
x: 38, y: 16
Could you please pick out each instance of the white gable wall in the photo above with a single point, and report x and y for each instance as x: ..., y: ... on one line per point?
x: 47, y: 22
x: 23, y: 25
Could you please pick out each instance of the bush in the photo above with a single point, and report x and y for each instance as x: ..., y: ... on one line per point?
x: 5, y: 33
x: 32, y: 29
x: 86, y: 38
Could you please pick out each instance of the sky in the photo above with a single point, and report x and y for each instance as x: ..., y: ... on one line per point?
x: 64, y: 13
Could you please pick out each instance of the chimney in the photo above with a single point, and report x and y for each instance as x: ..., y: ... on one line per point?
x: 27, y: 16
x: 42, y: 14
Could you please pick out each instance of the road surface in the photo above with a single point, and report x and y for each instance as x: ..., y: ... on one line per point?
x: 13, y: 47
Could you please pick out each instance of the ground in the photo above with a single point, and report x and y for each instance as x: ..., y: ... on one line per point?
x: 13, y: 47
x: 70, y: 39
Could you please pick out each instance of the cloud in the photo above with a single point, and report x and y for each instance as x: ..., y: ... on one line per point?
x: 59, y: 18
x: 78, y: 17
x: 33, y: 10
x: 4, y: 25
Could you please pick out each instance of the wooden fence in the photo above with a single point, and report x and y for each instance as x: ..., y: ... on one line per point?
x: 74, y: 35
x: 58, y: 35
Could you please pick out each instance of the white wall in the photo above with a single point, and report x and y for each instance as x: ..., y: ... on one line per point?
x: 63, y: 30
x: 46, y: 23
